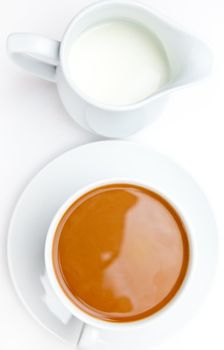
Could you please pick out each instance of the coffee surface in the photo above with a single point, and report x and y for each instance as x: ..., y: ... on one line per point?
x: 120, y: 252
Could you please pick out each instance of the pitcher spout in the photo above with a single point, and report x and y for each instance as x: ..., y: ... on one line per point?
x: 190, y: 59
x: 195, y: 61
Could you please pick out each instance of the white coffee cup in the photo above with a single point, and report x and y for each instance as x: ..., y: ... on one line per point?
x: 93, y: 322
x: 189, y: 61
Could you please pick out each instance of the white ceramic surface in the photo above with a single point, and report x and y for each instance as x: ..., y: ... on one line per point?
x: 50, y: 189
x: 189, y: 60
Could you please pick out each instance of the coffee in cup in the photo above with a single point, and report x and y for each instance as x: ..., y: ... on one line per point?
x: 120, y: 252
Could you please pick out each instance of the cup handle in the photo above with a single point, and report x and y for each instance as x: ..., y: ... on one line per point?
x: 90, y: 338
x: 35, y: 53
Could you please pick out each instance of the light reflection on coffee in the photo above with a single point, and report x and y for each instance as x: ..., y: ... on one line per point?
x: 120, y: 252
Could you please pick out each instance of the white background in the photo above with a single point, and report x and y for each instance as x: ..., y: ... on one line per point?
x: 34, y: 129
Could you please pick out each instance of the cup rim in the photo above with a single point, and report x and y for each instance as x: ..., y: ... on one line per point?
x: 103, y: 106
x: 74, y: 309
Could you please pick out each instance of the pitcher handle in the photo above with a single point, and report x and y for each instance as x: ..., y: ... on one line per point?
x: 35, y: 53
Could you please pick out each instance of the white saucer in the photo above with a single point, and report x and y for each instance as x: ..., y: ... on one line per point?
x: 58, y: 181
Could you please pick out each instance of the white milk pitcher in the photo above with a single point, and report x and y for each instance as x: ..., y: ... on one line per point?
x: 188, y: 57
